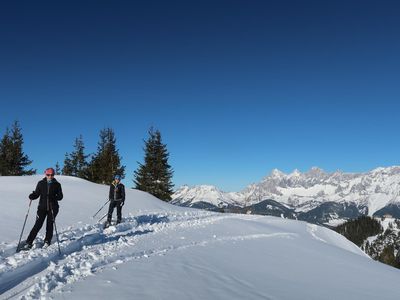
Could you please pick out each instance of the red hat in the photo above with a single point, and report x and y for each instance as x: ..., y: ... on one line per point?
x: 49, y: 171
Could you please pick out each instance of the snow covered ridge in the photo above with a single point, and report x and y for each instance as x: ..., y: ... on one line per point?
x: 303, y: 192
x: 162, y: 251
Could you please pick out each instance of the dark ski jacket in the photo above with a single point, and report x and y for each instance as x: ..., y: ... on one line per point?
x: 117, y: 192
x: 49, y: 194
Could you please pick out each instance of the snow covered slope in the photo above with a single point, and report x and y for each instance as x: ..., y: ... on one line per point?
x: 306, y: 191
x: 162, y: 251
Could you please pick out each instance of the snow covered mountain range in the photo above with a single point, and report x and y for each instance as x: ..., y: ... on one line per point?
x: 314, y: 196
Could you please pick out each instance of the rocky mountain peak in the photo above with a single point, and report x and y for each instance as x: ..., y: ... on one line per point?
x: 305, y: 191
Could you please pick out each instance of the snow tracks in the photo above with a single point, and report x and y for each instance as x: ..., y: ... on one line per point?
x: 35, y: 273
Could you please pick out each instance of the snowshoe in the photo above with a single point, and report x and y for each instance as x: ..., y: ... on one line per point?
x: 24, y: 246
x: 106, y: 225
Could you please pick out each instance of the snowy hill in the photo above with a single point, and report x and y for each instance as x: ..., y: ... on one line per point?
x: 162, y: 251
x: 310, y: 194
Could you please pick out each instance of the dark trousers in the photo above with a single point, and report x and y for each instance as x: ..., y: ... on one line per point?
x: 40, y: 216
x: 113, y: 204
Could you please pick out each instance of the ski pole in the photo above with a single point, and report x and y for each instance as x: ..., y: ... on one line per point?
x: 23, y: 227
x: 102, y: 217
x: 100, y: 208
x: 55, y: 227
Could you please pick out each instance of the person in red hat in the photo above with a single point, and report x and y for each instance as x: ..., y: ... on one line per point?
x: 50, y: 192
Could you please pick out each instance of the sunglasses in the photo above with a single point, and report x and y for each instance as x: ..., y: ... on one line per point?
x: 50, y: 175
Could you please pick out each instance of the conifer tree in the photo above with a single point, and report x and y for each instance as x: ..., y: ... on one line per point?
x: 155, y: 174
x: 5, y: 153
x: 67, y: 169
x: 106, y: 163
x: 58, y: 170
x: 75, y: 163
x: 13, y: 161
x: 387, y: 256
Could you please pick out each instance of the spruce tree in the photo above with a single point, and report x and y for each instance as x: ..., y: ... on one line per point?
x: 58, y: 170
x: 75, y: 163
x: 13, y: 161
x: 387, y: 256
x: 67, y: 169
x: 5, y: 153
x: 106, y: 163
x: 155, y: 174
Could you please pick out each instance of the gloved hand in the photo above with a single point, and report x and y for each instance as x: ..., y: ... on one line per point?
x: 32, y: 195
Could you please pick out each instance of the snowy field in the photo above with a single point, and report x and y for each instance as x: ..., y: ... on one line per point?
x: 162, y: 251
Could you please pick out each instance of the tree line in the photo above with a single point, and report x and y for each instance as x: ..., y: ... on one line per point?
x: 384, y: 247
x: 360, y: 229
x: 154, y: 175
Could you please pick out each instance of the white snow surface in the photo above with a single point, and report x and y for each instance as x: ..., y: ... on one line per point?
x: 161, y: 251
x: 305, y: 191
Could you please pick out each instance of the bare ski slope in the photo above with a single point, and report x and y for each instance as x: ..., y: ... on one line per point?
x: 165, y: 252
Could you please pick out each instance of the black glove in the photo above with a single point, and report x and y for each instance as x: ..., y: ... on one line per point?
x: 32, y: 195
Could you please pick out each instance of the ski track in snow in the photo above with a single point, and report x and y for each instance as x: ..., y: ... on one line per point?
x: 312, y: 229
x: 85, y: 251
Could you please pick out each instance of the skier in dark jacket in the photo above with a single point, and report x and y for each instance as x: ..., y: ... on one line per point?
x: 50, y: 192
x: 117, y: 199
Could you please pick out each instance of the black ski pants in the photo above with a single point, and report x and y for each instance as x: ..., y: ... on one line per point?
x: 114, y: 204
x: 40, y: 216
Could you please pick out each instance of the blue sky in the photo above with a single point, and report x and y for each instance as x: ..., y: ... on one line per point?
x: 236, y: 88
